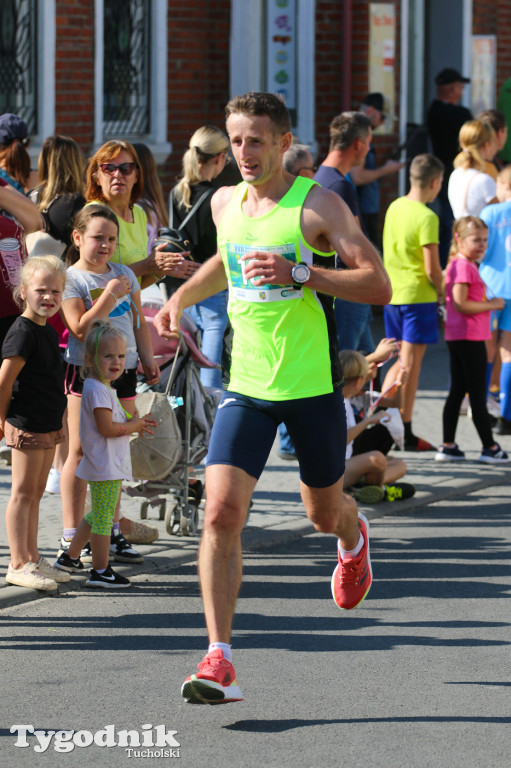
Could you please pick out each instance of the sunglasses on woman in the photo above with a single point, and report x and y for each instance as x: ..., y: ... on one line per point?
x: 125, y: 168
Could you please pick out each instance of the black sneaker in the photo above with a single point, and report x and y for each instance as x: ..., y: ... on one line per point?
x: 494, y: 455
x: 449, y: 454
x: 66, y: 563
x: 107, y: 580
x: 398, y: 491
x: 122, y: 550
x: 85, y: 555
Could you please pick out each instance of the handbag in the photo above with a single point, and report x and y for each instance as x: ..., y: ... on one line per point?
x: 154, y: 457
x: 175, y: 239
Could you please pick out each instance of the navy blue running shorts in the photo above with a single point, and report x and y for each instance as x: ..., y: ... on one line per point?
x: 244, y: 431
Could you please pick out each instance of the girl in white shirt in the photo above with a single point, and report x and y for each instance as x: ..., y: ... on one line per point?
x: 105, y: 427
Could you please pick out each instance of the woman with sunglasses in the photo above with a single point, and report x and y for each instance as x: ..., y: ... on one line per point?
x: 115, y: 178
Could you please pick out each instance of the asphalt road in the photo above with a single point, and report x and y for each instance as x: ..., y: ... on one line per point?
x: 418, y: 676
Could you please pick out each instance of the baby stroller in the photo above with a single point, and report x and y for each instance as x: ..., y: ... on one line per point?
x: 164, y: 462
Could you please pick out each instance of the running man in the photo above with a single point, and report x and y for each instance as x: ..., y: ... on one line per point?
x: 277, y: 239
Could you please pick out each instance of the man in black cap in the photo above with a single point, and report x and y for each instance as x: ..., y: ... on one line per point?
x: 444, y: 120
x: 366, y: 177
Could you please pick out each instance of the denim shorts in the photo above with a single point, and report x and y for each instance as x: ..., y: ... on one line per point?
x: 414, y: 323
x: 244, y: 431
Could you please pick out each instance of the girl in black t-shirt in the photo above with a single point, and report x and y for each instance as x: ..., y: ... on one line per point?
x: 32, y: 403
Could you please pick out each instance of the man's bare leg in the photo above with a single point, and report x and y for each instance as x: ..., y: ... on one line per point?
x: 229, y: 490
x: 332, y: 511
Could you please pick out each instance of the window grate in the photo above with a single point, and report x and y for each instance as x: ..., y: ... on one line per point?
x: 126, y: 68
x: 18, y: 56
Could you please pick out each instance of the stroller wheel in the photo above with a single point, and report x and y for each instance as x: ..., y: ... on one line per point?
x: 172, y: 519
x: 190, y: 520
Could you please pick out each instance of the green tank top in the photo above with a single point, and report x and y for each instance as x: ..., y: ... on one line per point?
x: 283, y: 342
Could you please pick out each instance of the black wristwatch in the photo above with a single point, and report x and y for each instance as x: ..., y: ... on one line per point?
x: 300, y: 274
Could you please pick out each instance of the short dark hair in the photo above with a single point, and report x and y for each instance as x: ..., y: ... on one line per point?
x: 260, y: 105
x: 425, y: 168
x: 347, y: 127
x: 493, y: 117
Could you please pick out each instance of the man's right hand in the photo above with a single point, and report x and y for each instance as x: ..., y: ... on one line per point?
x: 166, y: 321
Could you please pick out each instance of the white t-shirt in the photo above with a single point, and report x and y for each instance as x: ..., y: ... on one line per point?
x: 350, y: 422
x: 88, y: 286
x: 103, y: 458
x: 481, y: 189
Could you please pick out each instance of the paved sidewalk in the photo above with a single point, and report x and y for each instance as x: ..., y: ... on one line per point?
x: 278, y: 514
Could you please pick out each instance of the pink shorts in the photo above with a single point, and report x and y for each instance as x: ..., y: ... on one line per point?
x: 19, y: 438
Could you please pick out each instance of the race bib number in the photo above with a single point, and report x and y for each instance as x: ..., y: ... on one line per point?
x: 243, y: 289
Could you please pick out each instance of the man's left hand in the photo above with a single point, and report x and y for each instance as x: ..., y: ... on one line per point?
x: 264, y: 268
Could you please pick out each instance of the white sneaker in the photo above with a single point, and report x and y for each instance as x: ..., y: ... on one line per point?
x: 29, y: 576
x: 44, y: 567
x: 53, y: 482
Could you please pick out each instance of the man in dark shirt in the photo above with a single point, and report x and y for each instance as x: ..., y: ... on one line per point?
x: 350, y: 138
x: 444, y: 120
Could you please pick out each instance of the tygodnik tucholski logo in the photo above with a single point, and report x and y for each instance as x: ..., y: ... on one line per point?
x: 148, y: 741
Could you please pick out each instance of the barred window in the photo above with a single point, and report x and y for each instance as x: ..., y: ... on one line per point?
x: 126, y: 68
x: 18, y: 57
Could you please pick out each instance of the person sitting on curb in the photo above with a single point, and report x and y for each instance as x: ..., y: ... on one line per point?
x: 373, y: 470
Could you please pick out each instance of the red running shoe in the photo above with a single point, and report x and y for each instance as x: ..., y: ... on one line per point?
x: 352, y: 579
x: 215, y: 683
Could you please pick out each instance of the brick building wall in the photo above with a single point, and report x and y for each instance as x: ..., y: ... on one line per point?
x: 336, y: 87
x: 198, y: 69
x: 198, y: 73
x: 74, y: 71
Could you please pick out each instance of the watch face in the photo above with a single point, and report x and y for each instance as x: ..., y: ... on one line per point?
x: 300, y: 273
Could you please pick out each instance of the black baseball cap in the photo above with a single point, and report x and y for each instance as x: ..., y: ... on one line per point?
x: 376, y: 100
x: 448, y: 76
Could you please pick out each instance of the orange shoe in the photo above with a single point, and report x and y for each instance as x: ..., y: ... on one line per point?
x: 352, y: 579
x: 215, y: 683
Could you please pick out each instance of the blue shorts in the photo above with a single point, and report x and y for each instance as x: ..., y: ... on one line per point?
x: 244, y: 431
x: 501, y: 318
x: 414, y: 323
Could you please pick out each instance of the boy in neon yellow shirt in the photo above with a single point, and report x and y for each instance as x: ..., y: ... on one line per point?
x: 410, y: 256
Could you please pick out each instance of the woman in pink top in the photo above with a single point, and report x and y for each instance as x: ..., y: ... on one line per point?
x: 466, y: 329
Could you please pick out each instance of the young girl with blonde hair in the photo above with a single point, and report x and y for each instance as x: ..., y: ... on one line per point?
x: 32, y: 404
x: 371, y: 471
x: 105, y: 427
x: 467, y: 327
